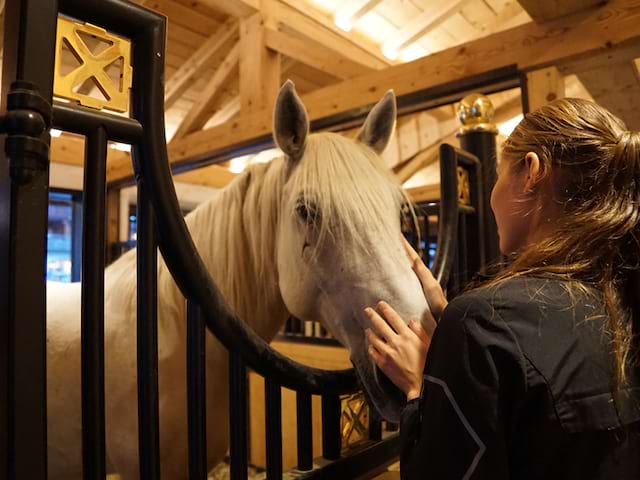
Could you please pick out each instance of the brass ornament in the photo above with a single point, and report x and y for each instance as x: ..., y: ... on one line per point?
x: 464, y: 189
x: 354, y: 422
x: 476, y: 112
x: 92, y: 69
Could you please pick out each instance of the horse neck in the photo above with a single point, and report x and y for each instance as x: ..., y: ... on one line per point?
x: 235, y: 233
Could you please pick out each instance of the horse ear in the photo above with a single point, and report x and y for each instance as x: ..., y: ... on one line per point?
x: 290, y: 122
x: 378, y: 127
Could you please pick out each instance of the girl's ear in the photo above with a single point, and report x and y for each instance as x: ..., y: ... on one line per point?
x: 533, y: 171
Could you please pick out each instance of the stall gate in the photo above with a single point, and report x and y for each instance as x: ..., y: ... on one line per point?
x: 29, y: 113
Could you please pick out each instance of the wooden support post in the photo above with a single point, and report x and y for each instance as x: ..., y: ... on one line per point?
x: 544, y: 86
x: 259, y: 68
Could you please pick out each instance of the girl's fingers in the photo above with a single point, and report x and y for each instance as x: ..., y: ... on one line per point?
x: 396, y: 322
x: 381, y: 327
x: 375, y: 341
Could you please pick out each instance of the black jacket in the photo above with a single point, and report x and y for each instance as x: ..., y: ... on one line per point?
x: 518, y: 386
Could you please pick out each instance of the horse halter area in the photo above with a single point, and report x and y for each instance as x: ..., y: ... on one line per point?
x: 36, y: 98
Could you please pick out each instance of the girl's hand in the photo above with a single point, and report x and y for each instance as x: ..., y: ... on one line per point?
x: 399, y: 350
x: 433, y: 293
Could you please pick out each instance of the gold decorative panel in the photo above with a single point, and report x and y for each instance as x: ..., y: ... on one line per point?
x: 464, y: 190
x: 355, y: 420
x: 92, y: 66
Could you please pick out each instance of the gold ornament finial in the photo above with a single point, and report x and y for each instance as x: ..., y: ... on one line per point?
x: 476, y: 114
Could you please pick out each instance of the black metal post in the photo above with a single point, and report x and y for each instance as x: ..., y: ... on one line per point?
x: 148, y: 410
x: 196, y: 393
x: 273, y: 430
x: 331, y: 435
x: 92, y: 319
x: 304, y: 429
x: 238, y: 425
x: 478, y: 136
x: 29, y: 36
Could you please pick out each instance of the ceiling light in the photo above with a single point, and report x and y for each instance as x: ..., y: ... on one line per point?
x: 123, y: 147
x: 507, y: 127
x: 390, y: 51
x: 343, y: 23
x: 55, y: 132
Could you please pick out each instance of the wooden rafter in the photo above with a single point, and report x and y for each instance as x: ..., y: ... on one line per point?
x: 236, y: 8
x: 352, y: 11
x: 259, y: 67
x: 544, y: 86
x: 200, y: 111
x: 294, y: 15
x: 183, y: 78
x: 424, y: 23
x: 543, y: 11
x: 528, y: 47
x: 313, y: 53
x: 617, y: 88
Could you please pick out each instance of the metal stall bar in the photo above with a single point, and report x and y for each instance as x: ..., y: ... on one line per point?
x: 304, y: 429
x: 448, y: 216
x: 331, y: 435
x: 273, y: 414
x: 147, y: 338
x: 27, y: 79
x: 238, y: 424
x: 196, y: 393
x: 92, y: 318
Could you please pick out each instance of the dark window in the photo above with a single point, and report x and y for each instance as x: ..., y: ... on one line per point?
x: 64, y: 236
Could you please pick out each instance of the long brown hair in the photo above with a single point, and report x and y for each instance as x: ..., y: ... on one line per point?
x: 594, y: 162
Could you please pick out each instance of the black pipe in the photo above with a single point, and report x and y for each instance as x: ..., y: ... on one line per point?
x: 304, y: 428
x: 238, y: 424
x: 147, y: 338
x: 273, y: 430
x: 82, y: 120
x: 196, y: 393
x: 331, y: 431
x: 92, y: 292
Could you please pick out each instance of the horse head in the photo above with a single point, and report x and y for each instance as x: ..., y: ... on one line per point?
x: 339, y: 246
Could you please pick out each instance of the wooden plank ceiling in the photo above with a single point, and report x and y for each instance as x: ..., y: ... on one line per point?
x: 226, y: 58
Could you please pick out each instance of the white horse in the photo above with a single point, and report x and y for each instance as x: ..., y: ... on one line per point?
x: 315, y: 234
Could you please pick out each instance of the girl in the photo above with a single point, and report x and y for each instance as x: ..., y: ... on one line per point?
x: 534, y: 375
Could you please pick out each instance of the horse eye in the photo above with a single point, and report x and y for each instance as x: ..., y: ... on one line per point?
x: 306, y: 213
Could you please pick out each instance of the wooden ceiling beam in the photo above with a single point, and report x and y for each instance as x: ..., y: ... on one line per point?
x: 211, y: 176
x: 201, y: 108
x: 543, y: 11
x: 189, y: 71
x: 617, y: 88
x: 421, y: 25
x: 293, y: 15
x: 528, y: 47
x: 235, y: 8
x: 352, y: 11
x: 315, y: 54
x: 544, y: 86
x: 259, y: 68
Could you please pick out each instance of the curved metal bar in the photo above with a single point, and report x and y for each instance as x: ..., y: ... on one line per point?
x: 448, y: 217
x: 178, y: 248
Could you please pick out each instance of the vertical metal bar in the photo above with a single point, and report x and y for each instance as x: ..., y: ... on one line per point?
x: 304, y: 431
x: 92, y: 319
x: 273, y: 414
x: 148, y: 424
x: 196, y: 393
x: 238, y: 425
x: 483, y: 145
x: 375, y: 425
x: 331, y: 435
x: 29, y: 36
